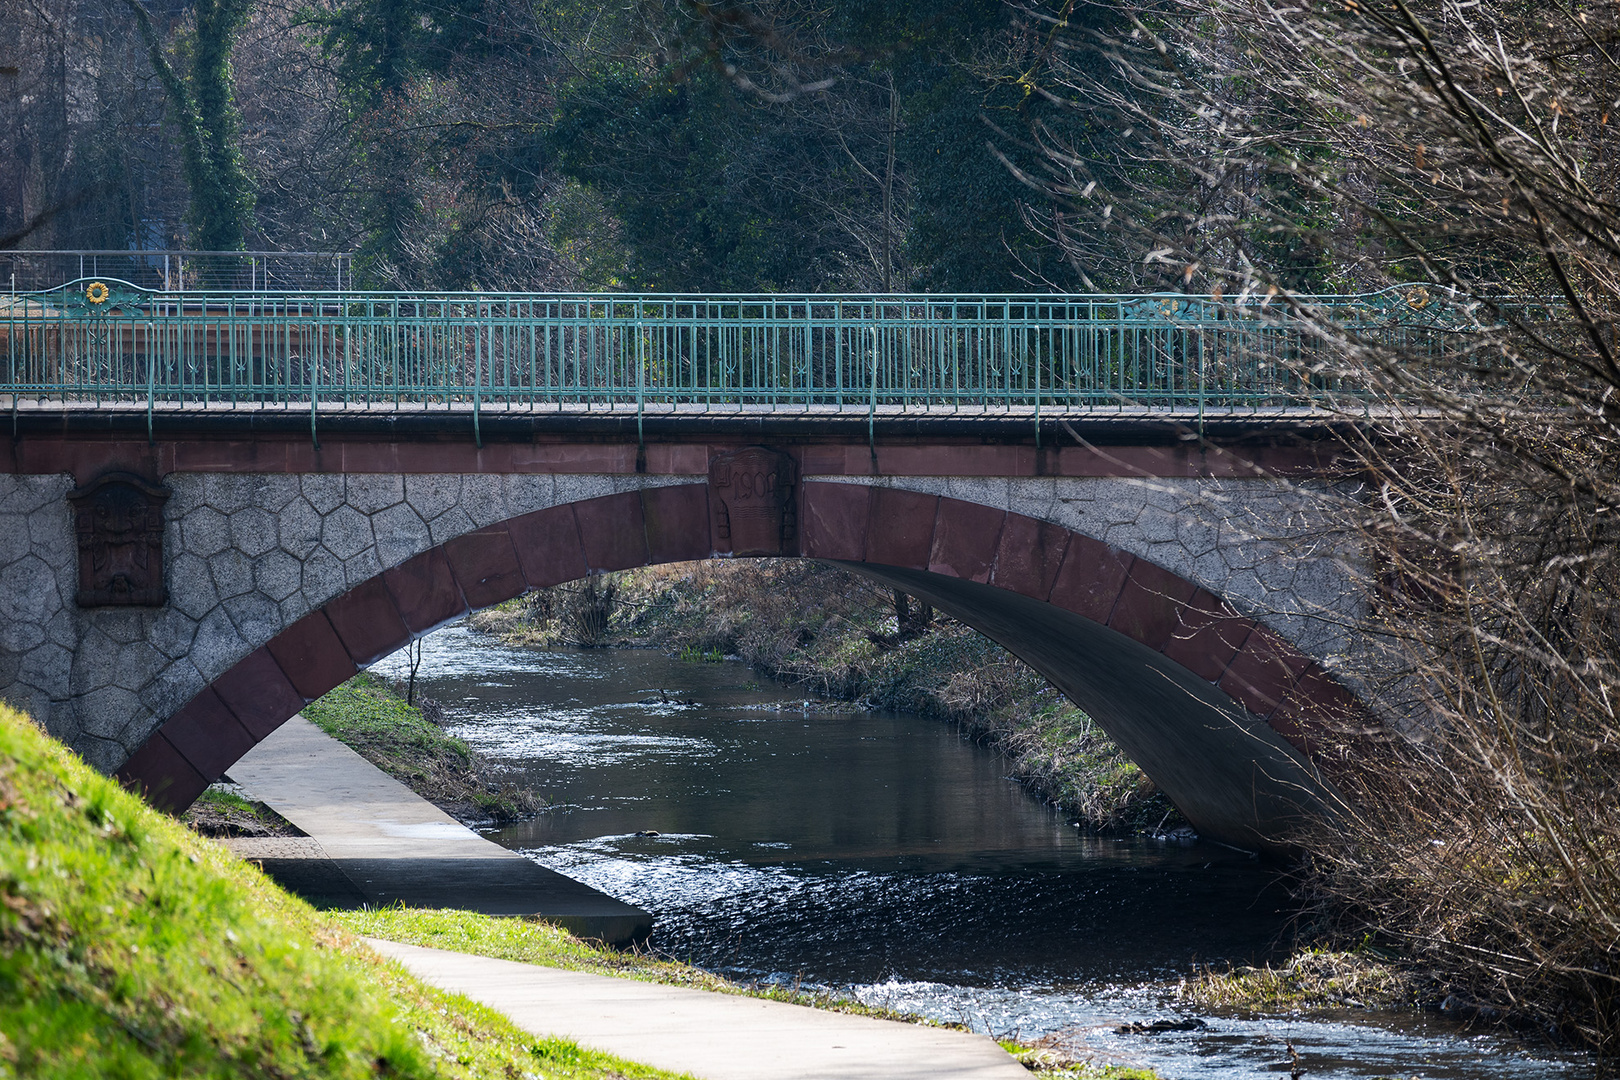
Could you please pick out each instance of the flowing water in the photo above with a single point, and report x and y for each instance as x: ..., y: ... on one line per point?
x: 885, y: 856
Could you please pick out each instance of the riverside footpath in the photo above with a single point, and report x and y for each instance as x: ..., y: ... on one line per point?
x: 373, y: 841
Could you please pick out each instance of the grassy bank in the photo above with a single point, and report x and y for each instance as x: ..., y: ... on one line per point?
x: 129, y: 947
x: 1314, y: 979
x: 219, y: 813
x: 840, y: 636
x: 373, y: 719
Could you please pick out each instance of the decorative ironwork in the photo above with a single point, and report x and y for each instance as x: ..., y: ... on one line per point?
x: 119, y: 521
x: 849, y: 354
x: 751, y: 500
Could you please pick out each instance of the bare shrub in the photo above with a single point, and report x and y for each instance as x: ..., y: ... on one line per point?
x: 1467, y: 146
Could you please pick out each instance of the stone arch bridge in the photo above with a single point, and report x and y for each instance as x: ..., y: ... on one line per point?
x: 167, y: 603
x: 214, y: 507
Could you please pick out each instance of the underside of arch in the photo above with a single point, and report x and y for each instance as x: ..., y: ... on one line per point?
x: 1217, y: 709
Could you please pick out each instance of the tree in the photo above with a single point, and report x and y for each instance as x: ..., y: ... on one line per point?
x: 774, y: 145
x: 202, y: 108
x: 1461, y: 154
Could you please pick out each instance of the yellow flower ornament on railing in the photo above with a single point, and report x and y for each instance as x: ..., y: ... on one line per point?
x: 97, y: 293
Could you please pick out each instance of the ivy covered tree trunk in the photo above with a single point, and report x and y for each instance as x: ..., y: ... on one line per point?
x: 201, y: 104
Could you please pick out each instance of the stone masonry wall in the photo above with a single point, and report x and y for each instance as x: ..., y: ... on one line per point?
x: 246, y: 555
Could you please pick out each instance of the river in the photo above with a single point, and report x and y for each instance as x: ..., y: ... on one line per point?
x: 886, y: 857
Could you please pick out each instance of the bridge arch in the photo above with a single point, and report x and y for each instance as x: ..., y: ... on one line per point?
x: 1220, y: 710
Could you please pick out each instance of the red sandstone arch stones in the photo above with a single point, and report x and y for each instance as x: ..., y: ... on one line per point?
x: 838, y: 521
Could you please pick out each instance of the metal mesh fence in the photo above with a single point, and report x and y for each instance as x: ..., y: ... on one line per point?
x: 179, y: 271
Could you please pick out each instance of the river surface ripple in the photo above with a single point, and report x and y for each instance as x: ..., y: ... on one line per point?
x: 886, y: 857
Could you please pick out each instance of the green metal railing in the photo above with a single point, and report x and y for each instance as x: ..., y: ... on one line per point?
x: 109, y: 342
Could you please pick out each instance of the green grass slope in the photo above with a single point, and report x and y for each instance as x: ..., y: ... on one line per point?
x: 131, y: 948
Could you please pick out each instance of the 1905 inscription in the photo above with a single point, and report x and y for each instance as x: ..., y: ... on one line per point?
x: 751, y: 493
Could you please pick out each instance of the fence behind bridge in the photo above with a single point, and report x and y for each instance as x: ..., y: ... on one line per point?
x: 106, y: 341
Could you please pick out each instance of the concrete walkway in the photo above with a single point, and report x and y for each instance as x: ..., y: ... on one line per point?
x: 374, y: 841
x: 712, y: 1036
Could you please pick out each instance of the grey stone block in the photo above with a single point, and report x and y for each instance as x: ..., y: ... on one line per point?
x: 205, y: 531
x: 257, y: 618
x: 278, y: 575
x: 14, y: 539
x: 49, y: 667
x: 106, y: 712
x: 95, y: 663
x: 528, y: 492
x: 432, y: 495
x: 253, y: 531
x: 363, y: 567
x: 274, y: 491
x: 173, y: 632
x: 346, y: 532
x: 191, y: 586
x: 228, y: 492
x: 138, y: 663
x: 991, y: 491
x: 122, y: 625
x: 63, y: 629
x: 218, y: 646
x: 573, y: 487
x: 172, y: 687
x: 23, y: 494
x: 104, y: 755
x: 298, y: 527
x: 323, y: 578
x: 450, y: 524
x: 324, y: 491
x: 28, y: 600
x: 50, y: 532
x: 232, y: 572
x: 483, y: 500
x: 399, y: 533
x: 187, y: 491
x: 373, y: 492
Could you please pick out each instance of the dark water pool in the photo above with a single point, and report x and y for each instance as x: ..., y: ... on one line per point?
x: 887, y: 856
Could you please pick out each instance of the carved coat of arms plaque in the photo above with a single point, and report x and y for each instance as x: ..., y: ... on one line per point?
x: 119, y: 521
x: 751, y: 496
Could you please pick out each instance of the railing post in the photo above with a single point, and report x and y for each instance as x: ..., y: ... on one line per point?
x: 871, y: 409
x: 641, y: 386
x: 478, y: 364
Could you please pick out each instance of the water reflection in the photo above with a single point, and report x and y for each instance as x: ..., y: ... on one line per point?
x: 886, y: 855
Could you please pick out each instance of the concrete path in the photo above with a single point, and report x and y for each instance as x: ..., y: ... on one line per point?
x: 713, y: 1036
x: 374, y: 841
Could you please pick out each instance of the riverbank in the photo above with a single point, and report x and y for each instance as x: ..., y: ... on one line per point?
x: 131, y: 947
x: 373, y: 718
x: 841, y: 637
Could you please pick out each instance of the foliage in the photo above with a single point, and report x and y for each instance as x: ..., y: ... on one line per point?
x: 835, y: 148
x: 1312, y: 979
x: 203, y: 110
x: 1468, y: 145
x: 374, y: 720
x: 131, y: 948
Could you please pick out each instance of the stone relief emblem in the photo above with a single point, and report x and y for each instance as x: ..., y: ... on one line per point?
x: 118, y: 518
x: 751, y: 496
